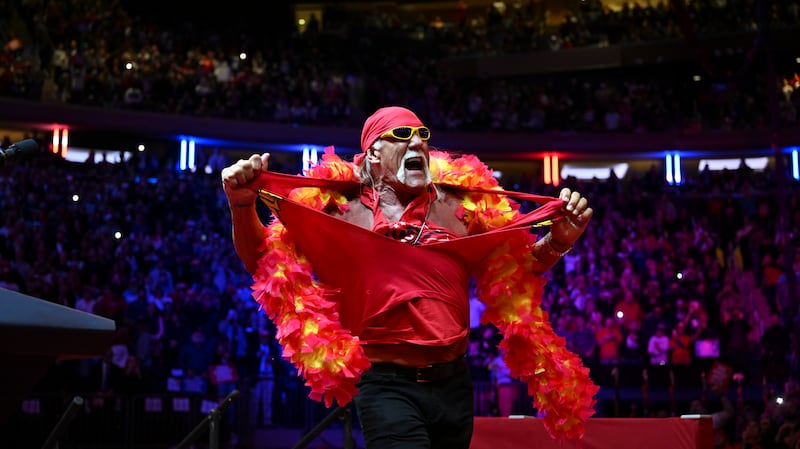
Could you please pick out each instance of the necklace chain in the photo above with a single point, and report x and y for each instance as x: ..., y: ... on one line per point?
x: 425, y: 220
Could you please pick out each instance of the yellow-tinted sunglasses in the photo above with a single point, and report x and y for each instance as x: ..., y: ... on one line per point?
x: 406, y: 132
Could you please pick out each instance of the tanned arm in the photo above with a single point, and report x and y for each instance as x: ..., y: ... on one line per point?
x: 563, y: 233
x: 248, y: 235
x: 247, y: 230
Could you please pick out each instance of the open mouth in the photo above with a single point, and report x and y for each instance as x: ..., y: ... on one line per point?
x: 413, y: 163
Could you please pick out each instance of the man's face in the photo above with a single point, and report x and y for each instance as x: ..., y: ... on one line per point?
x: 402, y: 164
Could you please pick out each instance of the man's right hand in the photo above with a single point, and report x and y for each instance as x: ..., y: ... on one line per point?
x: 236, y: 176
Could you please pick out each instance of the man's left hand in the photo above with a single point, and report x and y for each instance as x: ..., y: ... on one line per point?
x: 578, y: 213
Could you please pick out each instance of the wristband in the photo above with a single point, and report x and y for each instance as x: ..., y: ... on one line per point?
x: 548, y: 240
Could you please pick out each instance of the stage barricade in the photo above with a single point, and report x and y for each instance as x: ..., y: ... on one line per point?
x: 156, y: 419
x: 159, y: 421
x: 601, y: 433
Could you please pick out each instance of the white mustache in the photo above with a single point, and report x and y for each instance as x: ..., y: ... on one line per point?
x: 412, y: 153
x: 401, y: 171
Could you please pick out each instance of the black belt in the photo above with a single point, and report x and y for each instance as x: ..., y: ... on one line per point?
x: 430, y: 373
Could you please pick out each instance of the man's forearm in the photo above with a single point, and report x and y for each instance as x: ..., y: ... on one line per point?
x: 248, y: 235
x: 547, y: 253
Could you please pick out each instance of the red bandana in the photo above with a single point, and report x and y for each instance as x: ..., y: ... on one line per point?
x: 381, y: 121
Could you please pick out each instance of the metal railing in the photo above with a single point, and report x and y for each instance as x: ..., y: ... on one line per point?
x: 211, y: 424
x: 162, y: 421
x: 344, y: 413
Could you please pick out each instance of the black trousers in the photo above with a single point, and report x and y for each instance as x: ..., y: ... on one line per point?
x: 397, y: 412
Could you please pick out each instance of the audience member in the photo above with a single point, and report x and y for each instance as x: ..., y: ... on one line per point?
x: 658, y: 346
x: 264, y: 388
x: 608, y: 339
x: 776, y: 344
x: 681, y: 346
x: 504, y: 387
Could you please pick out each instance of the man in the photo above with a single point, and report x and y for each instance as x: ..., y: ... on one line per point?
x: 417, y: 391
x: 264, y: 388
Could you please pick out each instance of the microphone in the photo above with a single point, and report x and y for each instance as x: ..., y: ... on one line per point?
x: 20, y: 149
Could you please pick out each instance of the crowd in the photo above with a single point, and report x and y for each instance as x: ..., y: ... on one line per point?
x: 664, y: 276
x: 337, y: 71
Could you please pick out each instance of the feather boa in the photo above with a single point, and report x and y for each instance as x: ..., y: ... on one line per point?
x: 331, y: 359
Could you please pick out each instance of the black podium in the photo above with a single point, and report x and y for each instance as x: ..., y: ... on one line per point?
x: 34, y: 334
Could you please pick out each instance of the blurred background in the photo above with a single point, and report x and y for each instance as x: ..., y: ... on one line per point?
x: 678, y: 119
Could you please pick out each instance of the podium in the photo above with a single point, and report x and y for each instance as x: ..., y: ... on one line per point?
x: 601, y: 433
x: 34, y: 334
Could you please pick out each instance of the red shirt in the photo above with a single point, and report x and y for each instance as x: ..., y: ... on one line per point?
x: 418, y: 314
x: 388, y: 291
x: 391, y: 292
